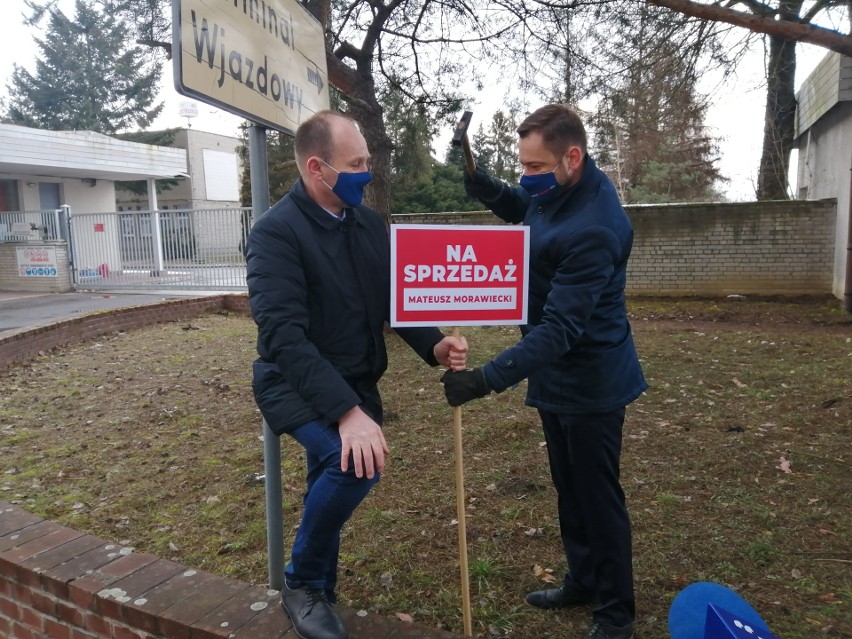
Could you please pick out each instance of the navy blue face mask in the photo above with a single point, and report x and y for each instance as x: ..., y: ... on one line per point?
x: 349, y: 186
x: 542, y: 187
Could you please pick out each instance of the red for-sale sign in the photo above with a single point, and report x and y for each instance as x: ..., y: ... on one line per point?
x: 459, y: 275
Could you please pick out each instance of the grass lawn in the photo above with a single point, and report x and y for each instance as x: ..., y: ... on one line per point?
x: 735, y: 465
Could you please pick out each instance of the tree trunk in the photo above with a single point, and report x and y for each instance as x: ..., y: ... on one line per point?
x: 358, y: 89
x: 779, y: 120
x: 365, y: 108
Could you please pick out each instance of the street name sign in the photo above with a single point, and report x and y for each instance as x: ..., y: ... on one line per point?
x: 263, y: 60
x: 459, y: 275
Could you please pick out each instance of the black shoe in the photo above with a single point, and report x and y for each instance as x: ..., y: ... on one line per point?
x: 602, y: 631
x: 561, y: 597
x: 311, y: 614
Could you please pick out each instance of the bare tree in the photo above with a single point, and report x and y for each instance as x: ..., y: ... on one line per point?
x: 774, y: 21
x: 785, y: 22
x: 422, y: 48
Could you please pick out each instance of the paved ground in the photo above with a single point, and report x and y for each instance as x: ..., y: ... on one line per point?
x: 26, y: 310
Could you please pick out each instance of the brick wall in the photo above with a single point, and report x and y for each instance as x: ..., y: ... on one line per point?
x: 758, y: 248
x: 26, y: 344
x: 10, y: 280
x: 59, y: 583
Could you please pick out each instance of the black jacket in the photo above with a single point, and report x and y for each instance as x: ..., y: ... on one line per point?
x: 319, y: 290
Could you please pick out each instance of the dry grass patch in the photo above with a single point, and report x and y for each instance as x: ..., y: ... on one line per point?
x: 736, y: 466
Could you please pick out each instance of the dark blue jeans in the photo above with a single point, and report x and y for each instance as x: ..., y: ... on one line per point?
x: 330, y: 499
x: 584, y: 453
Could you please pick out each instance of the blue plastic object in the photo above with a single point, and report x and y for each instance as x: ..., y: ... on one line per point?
x: 721, y: 624
x: 689, y: 611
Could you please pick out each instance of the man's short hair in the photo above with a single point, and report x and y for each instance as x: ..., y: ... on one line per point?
x: 314, y: 136
x: 559, y: 127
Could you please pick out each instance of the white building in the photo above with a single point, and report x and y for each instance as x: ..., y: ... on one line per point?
x: 46, y: 173
x: 824, y: 140
x: 42, y: 170
x: 212, y: 180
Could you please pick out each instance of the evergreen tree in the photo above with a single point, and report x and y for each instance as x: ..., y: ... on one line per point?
x: 410, y: 129
x: 649, y: 128
x: 495, y: 148
x: 444, y: 191
x: 481, y: 148
x: 86, y: 76
x: 281, y: 161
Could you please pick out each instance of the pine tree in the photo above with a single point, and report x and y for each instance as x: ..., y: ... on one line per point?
x: 410, y: 129
x: 649, y: 128
x: 495, y: 148
x: 86, y: 76
x: 281, y: 160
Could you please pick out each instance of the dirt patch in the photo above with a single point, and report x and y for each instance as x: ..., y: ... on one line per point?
x: 735, y: 465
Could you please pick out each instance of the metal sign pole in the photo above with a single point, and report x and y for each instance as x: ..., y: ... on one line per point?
x: 271, y: 444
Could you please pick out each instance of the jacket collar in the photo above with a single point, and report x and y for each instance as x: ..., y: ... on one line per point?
x: 316, y: 212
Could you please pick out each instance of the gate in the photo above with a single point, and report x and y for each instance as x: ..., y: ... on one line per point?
x: 178, y: 248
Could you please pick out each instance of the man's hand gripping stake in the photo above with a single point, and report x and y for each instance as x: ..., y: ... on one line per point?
x: 460, y: 139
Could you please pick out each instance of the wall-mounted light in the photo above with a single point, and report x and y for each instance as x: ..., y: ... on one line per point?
x: 31, y: 184
x: 89, y: 181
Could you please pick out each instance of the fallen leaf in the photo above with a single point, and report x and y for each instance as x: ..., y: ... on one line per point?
x: 784, y: 466
x: 386, y: 579
x: 404, y: 617
x: 796, y: 573
x: 738, y: 383
x: 545, y: 575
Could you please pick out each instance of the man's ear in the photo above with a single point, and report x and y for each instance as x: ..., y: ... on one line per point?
x: 575, y: 157
x: 313, y: 168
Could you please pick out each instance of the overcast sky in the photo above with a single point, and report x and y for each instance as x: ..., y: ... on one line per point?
x: 736, y: 117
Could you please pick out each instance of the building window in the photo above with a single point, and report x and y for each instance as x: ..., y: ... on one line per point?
x: 9, y: 200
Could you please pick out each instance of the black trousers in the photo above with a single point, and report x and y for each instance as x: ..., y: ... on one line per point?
x: 584, y: 452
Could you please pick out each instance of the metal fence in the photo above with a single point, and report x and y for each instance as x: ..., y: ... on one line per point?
x: 171, y: 248
x: 177, y: 248
x: 27, y: 226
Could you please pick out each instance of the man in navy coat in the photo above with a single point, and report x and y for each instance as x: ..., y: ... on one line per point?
x: 577, y: 353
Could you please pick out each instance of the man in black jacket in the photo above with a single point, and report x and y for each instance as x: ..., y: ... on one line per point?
x: 319, y: 289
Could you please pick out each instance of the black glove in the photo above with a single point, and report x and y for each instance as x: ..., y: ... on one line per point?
x: 463, y: 386
x: 481, y: 186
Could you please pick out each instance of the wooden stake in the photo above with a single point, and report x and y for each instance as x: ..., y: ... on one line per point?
x: 465, y: 580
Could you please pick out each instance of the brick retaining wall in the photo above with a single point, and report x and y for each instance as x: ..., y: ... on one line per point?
x: 754, y: 248
x: 28, y: 343
x: 56, y: 582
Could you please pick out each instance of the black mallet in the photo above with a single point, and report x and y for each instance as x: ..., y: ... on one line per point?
x: 460, y: 139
